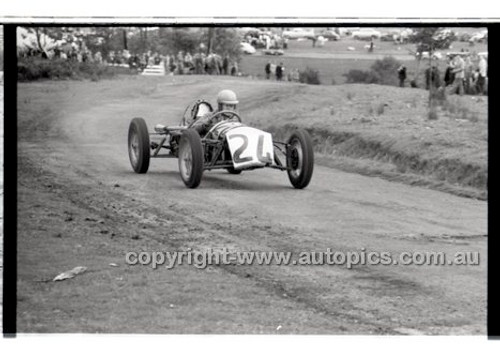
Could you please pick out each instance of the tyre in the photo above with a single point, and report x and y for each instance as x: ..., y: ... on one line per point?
x: 138, y: 145
x: 300, y: 158
x: 233, y: 171
x: 191, y: 158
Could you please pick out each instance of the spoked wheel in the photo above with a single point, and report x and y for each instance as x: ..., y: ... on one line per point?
x: 191, y: 158
x: 300, y: 158
x: 138, y: 145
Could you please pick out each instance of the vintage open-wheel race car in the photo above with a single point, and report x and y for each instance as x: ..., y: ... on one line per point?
x: 226, y: 144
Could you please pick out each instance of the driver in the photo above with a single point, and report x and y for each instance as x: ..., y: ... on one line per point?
x: 226, y: 100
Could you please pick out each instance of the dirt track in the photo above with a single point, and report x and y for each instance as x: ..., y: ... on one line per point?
x: 74, y: 164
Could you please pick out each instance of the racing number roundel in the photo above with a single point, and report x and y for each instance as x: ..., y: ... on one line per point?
x: 250, y: 147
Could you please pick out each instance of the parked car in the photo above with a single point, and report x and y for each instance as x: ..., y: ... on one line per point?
x: 247, y: 48
x: 273, y: 52
x: 298, y: 33
x: 330, y: 35
x: 366, y: 34
x: 388, y: 36
x: 479, y: 36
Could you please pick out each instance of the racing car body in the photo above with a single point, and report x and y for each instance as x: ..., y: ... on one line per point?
x: 224, y: 143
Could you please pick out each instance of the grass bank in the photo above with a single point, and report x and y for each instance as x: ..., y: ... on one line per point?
x: 386, y: 131
x: 383, y: 157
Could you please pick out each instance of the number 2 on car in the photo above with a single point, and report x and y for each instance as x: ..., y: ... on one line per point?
x: 250, y: 147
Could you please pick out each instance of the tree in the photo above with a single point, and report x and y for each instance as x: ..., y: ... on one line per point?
x: 222, y: 40
x: 104, y: 39
x: 430, y: 39
x: 178, y: 39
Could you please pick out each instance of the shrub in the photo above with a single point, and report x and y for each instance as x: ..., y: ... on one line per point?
x: 386, y: 70
x: 359, y: 76
x: 35, y: 68
x: 383, y: 71
x: 309, y: 76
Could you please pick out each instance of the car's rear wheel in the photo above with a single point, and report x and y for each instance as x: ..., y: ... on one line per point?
x: 191, y: 158
x: 300, y: 158
x: 138, y: 145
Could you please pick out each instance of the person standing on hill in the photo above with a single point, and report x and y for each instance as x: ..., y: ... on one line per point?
x: 402, y: 75
x: 483, y: 70
x: 268, y: 70
x: 225, y: 65
x: 458, y: 68
x: 449, y: 76
x: 279, y: 71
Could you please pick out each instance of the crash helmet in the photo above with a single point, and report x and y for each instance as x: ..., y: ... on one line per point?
x: 227, y: 97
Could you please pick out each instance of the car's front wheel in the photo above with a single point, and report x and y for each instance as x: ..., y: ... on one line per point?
x: 300, y: 158
x: 138, y: 145
x: 191, y: 158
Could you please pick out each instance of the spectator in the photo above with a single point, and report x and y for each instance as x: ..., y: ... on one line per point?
x: 198, y: 63
x: 402, y: 75
x: 273, y: 68
x: 225, y: 65
x: 180, y: 62
x: 458, y: 68
x: 268, y: 70
x: 483, y: 71
x: 279, y: 71
x: 469, y: 76
x: 449, y: 76
x: 188, y: 61
x: 234, y: 69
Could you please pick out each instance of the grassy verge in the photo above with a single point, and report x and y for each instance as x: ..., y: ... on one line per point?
x: 332, y: 70
x: 381, y: 157
x: 386, y: 131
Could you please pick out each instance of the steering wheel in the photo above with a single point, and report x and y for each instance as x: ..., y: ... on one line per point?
x: 228, y: 116
x: 225, y: 115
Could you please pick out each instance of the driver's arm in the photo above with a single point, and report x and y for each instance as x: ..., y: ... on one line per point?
x: 203, y: 123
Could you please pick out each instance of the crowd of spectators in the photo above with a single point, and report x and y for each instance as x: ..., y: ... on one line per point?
x: 465, y: 73
x: 271, y: 70
x: 182, y: 63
